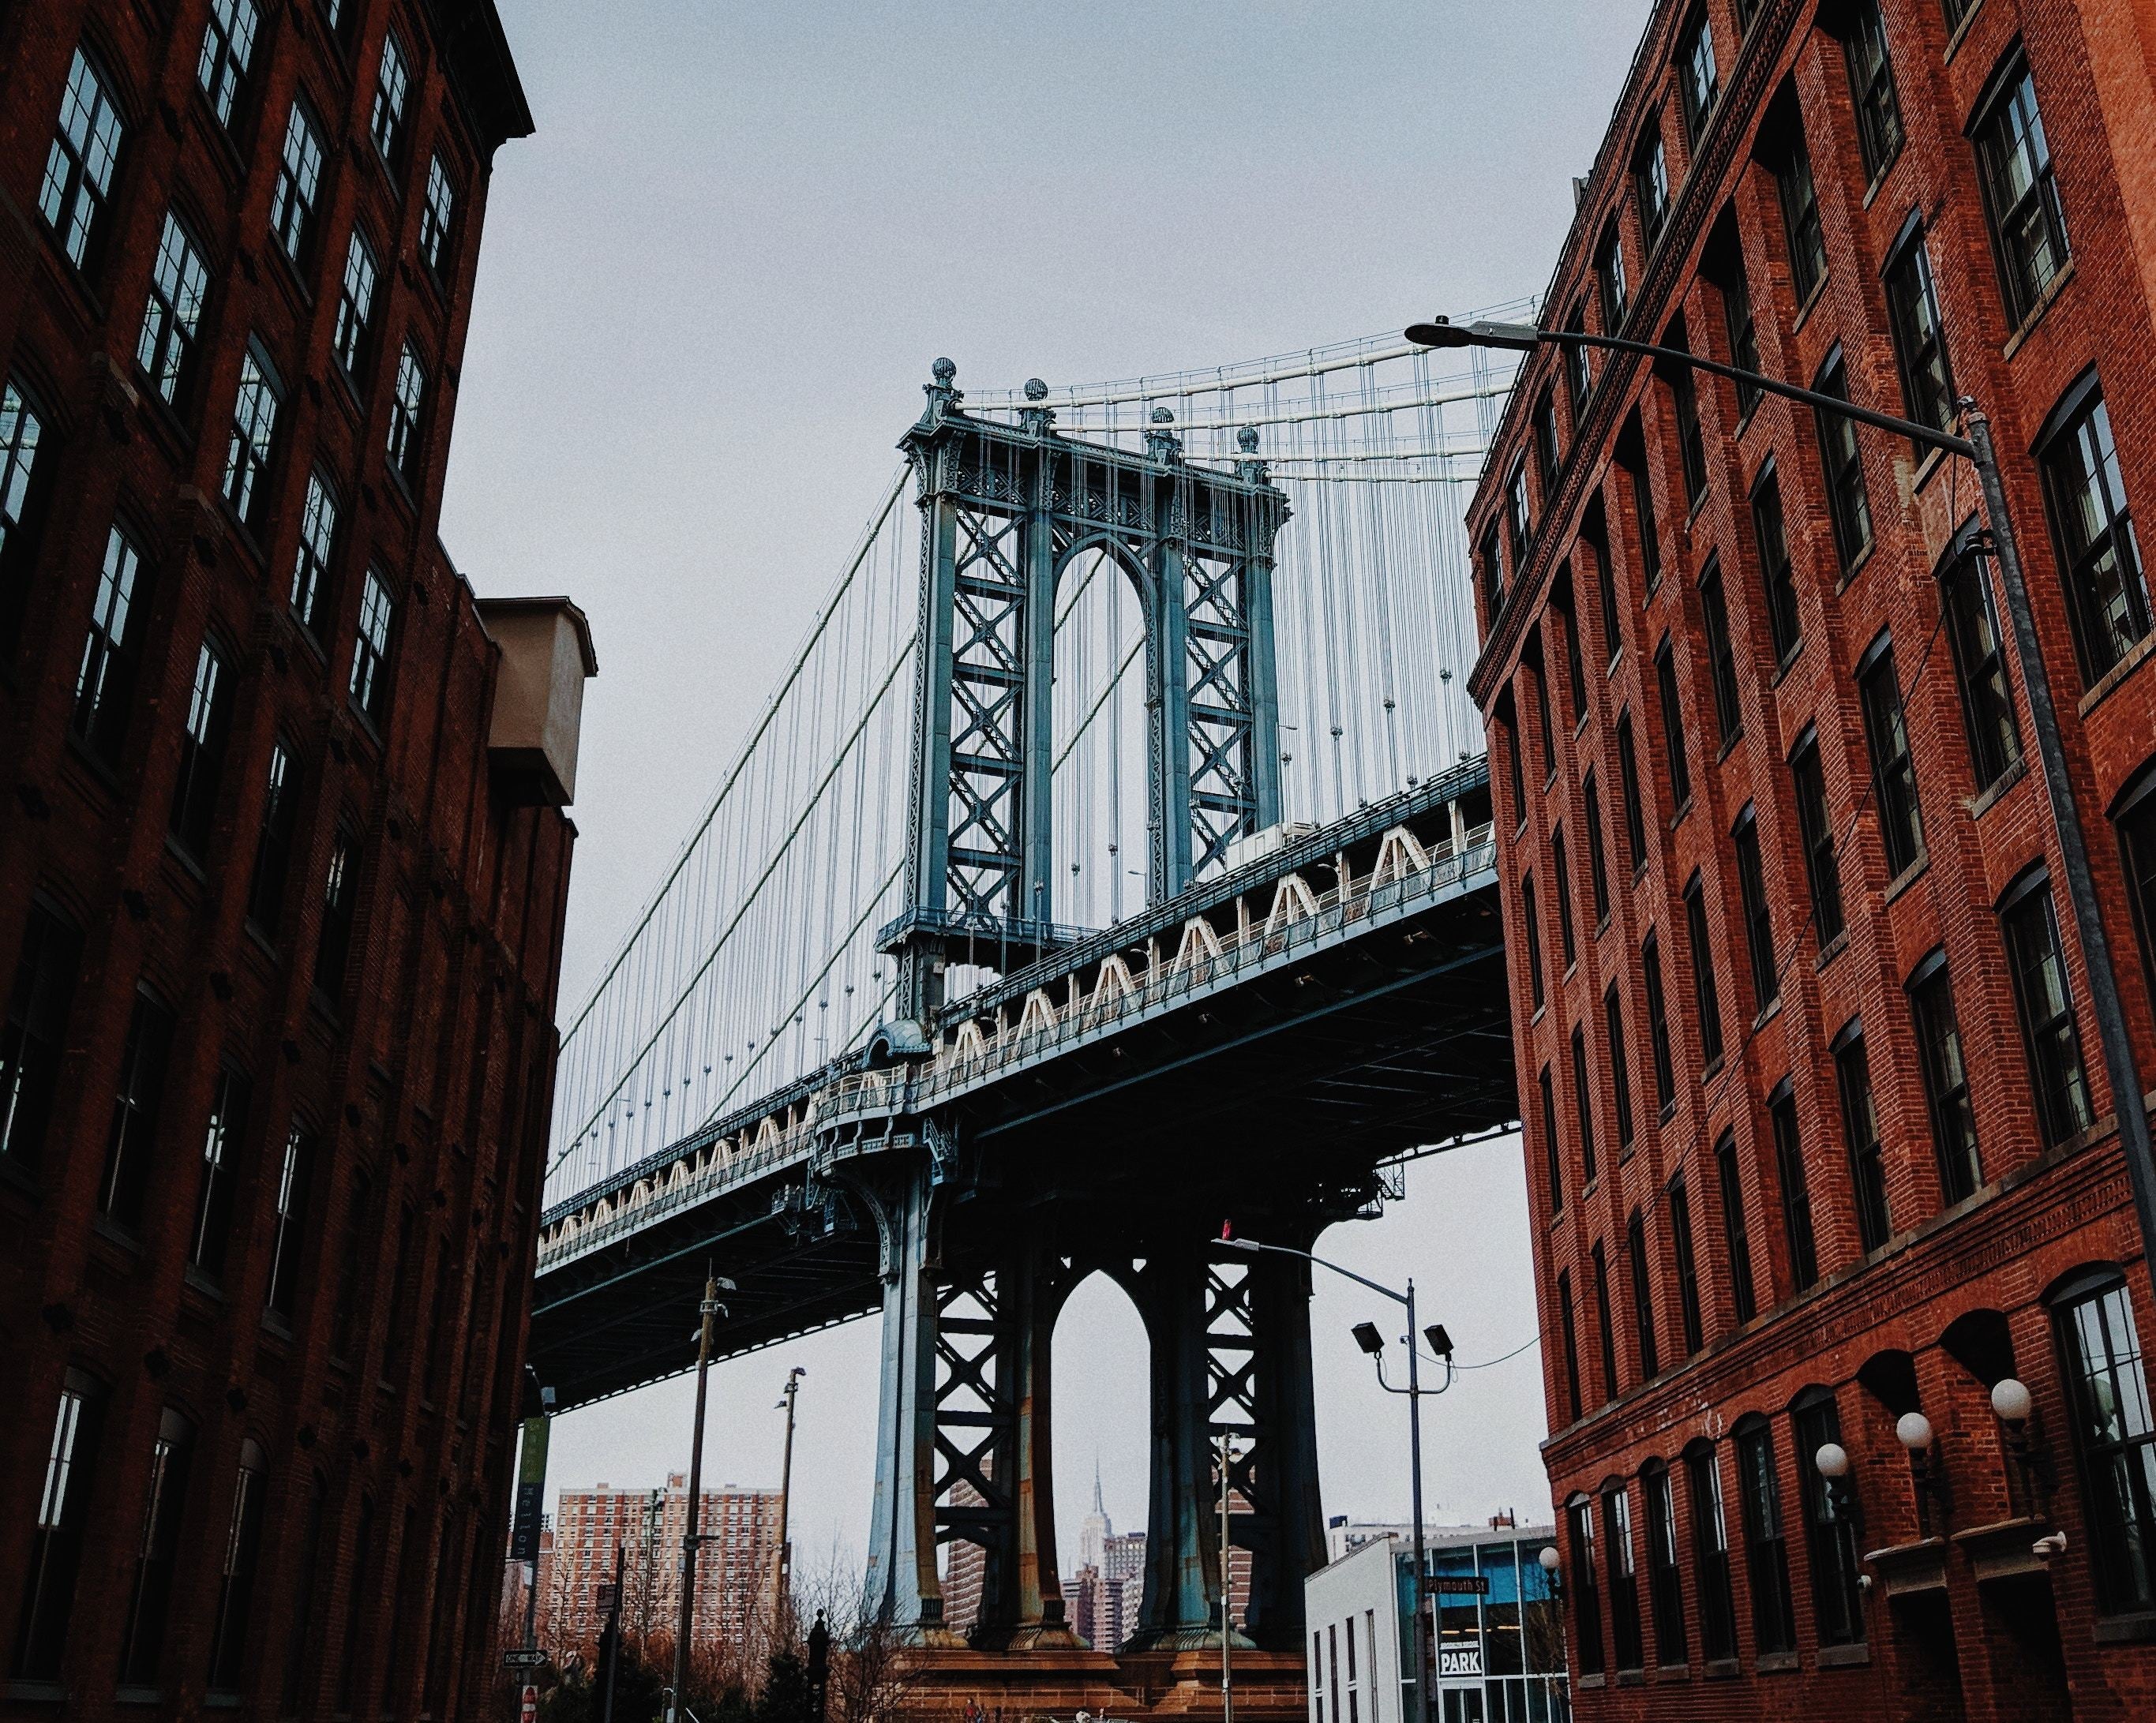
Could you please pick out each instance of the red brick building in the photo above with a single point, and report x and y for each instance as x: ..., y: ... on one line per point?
x: 281, y: 891
x: 1817, y: 1131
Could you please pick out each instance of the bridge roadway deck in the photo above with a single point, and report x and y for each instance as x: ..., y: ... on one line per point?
x: 1256, y: 1048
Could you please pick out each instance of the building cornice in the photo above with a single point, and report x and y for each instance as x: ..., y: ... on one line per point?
x: 482, y: 71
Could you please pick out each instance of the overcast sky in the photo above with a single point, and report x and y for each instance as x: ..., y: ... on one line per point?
x: 712, y: 286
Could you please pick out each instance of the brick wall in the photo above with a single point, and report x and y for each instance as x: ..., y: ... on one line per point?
x: 1876, y: 1332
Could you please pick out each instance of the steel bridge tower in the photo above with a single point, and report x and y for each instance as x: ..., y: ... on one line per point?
x: 969, y: 1309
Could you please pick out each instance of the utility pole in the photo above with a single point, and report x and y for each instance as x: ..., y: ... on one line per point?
x: 782, y: 1600
x: 613, y: 1660
x: 706, y: 1311
x: 1227, y: 1589
x: 651, y: 1509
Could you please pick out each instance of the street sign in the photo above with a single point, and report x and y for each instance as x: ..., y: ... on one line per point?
x: 530, y: 1492
x: 1459, y: 1585
x: 609, y: 1594
x: 529, y: 1711
x: 523, y: 1657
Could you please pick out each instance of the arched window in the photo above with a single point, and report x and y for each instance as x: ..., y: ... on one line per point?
x: 2108, y: 1386
x: 1665, y: 1589
x: 1624, y: 1575
x: 1710, y: 1552
x: 1766, y: 1548
x: 1586, y: 1595
x: 164, y: 1499
x: 235, y: 1584
x: 1831, y: 1514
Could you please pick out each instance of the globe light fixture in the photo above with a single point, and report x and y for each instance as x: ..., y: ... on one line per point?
x: 2010, y: 1400
x: 1913, y: 1431
x: 1832, y: 1460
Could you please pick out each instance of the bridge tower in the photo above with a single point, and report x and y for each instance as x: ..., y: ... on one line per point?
x: 969, y: 1313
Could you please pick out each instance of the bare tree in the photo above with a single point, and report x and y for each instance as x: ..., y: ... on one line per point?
x: 871, y: 1672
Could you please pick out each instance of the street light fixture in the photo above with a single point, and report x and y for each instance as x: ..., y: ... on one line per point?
x: 710, y: 1307
x: 1367, y: 1337
x: 2128, y: 1101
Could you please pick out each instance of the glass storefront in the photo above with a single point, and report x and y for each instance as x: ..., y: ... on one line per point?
x: 1498, y: 1637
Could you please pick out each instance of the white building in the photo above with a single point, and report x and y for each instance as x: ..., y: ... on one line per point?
x: 1496, y: 1633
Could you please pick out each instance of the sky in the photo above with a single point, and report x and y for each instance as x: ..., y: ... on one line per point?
x: 712, y: 286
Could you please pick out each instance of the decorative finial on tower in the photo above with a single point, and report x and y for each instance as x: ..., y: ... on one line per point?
x: 1035, y: 418
x: 943, y: 396
x: 1250, y: 469
x: 1246, y: 440
x: 1163, y: 444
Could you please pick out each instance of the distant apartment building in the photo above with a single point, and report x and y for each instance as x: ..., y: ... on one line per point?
x: 736, y: 1563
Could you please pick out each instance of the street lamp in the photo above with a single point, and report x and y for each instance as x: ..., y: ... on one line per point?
x: 1367, y: 1337
x: 1913, y: 1431
x: 705, y: 1310
x: 2128, y: 1102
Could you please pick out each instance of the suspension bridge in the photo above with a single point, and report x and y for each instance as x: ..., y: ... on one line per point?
x: 1113, y: 859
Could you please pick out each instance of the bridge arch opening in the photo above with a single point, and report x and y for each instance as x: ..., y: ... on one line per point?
x: 1100, y: 827
x: 1103, y: 1417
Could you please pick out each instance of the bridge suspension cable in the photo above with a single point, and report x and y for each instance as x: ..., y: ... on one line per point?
x: 753, y: 962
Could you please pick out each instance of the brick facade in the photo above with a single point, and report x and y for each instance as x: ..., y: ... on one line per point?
x: 277, y: 1067
x: 1603, y: 666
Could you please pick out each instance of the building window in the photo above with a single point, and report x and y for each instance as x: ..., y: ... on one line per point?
x: 130, y: 1138
x: 1956, y: 10
x: 311, y: 568
x: 1692, y: 446
x: 1987, y: 704
x: 2093, y: 527
x: 1604, y: 1325
x: 340, y: 904
x: 1586, y: 1595
x: 1643, y: 1297
x: 344, y: 1318
x: 1758, y: 925
x: 1519, y: 521
x: 2113, y: 1438
x: 1583, y: 1100
x: 1628, y: 787
x: 1736, y: 1236
x: 202, y: 752
x: 1893, y: 767
x: 1623, y: 1578
x: 1822, y: 870
x: 255, y: 410
x: 1680, y: 1247
x: 299, y: 182
x: 33, y: 1034
x: 1871, y: 88
x: 1651, y: 186
x: 2136, y: 835
x: 1859, y: 1128
x: 1609, y: 277
x: 1946, y: 1078
x: 242, y: 1545
x: 149, y: 1600
x: 179, y: 283
x: 214, y: 1195
x: 1743, y: 330
x: 1673, y: 729
x: 1698, y: 85
x: 1620, y: 1070
x: 1634, y: 460
x: 1920, y: 345
x: 1706, y: 1004
x: 273, y: 853
x: 1830, y: 1528
x: 1545, y: 456
x: 387, y: 123
x: 79, y: 167
x: 1578, y: 369
x: 2021, y: 195
x: 228, y: 45
x: 1658, y: 1023
x: 21, y: 430
x: 1801, y: 213
x: 1493, y: 573
x: 1664, y: 1586
x: 1767, y: 1554
x: 56, y: 1537
x: 1543, y: 717
x: 292, y: 1174
x: 1842, y: 462
x: 1598, y: 860
x: 1721, y: 656
x: 406, y: 454
x: 1796, y: 1188
x: 2045, y: 1000
x: 1709, y: 1554
x: 370, y: 655
x: 355, y: 305
x: 1561, y: 888
x: 1777, y: 578
x: 1534, y: 939
x: 1571, y: 1338
x: 435, y: 219
x: 104, y: 684
x: 1552, y: 1146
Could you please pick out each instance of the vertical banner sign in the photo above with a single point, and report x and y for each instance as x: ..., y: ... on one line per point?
x: 529, y: 1712
x: 531, y: 1492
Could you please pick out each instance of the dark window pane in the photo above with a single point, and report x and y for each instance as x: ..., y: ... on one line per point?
x: 57, y: 1533
x: 33, y: 1035
x: 1736, y: 1236
x: 241, y: 1552
x: 1987, y: 704
x: 407, y: 409
x: 179, y: 283
x: 1533, y: 923
x: 1822, y: 870
x: 1744, y: 332
x: 1721, y: 656
x: 1651, y: 186
x: 370, y: 653
x: 391, y: 88
x: 295, y: 1165
x: 1860, y: 1126
x: 436, y: 217
x: 1830, y: 1529
x: 273, y: 853
x: 1872, y: 87
x: 105, y: 684
x: 203, y: 733
x: 1658, y: 1023
x: 1643, y: 518
x: 2021, y: 195
x: 214, y: 1195
x: 1578, y: 367
x: 1758, y: 925
x: 1796, y: 1189
x: 1946, y: 1084
x: 1673, y: 728
x: 310, y: 568
x: 79, y: 166
x: 299, y: 183
x: 1681, y: 1248
x: 1778, y: 580
x: 254, y: 410
x: 1698, y: 82
x: 1920, y: 345
x: 1800, y: 215
x: 130, y: 1138
x: 1710, y: 1548
x: 355, y: 305
x: 1848, y: 504
x: 1561, y: 890
x: 1620, y: 1069
x: 1582, y: 1098
x: 1571, y: 1338
x: 340, y: 900
x: 1705, y: 1002
x: 228, y: 45
x: 1767, y: 1555
x: 2045, y: 1000
x: 150, y: 1597
x: 2115, y: 1441
x: 1893, y: 767
x: 1586, y: 1595
x: 1553, y: 1144
x: 1598, y: 860
x: 2098, y: 551
x: 1624, y: 1580
x: 1605, y: 1327
x: 1545, y: 456
x: 1664, y: 1585
x: 1692, y: 446
x: 1643, y: 1297
x: 1609, y: 277
x: 1628, y: 775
